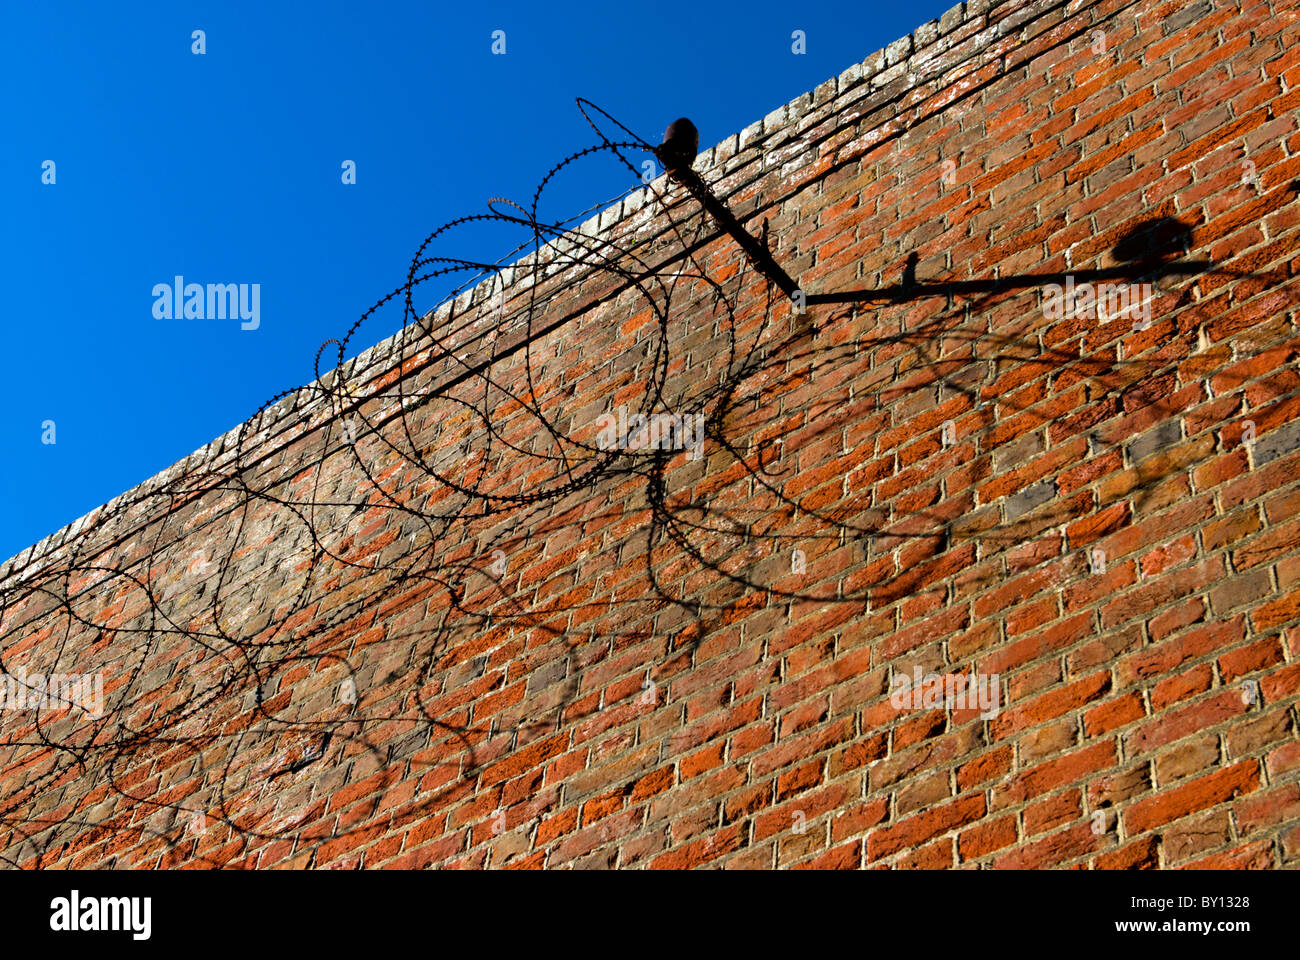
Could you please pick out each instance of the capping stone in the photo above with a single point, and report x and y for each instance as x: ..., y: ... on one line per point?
x: 952, y: 17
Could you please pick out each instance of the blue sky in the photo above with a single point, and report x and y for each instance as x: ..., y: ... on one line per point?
x: 226, y: 167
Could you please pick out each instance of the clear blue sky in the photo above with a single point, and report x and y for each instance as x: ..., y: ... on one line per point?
x: 226, y: 168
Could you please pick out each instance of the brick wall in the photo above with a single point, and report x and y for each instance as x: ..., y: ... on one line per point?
x: 466, y: 639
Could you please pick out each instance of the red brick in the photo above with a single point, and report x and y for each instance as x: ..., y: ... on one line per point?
x: 1192, y: 797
